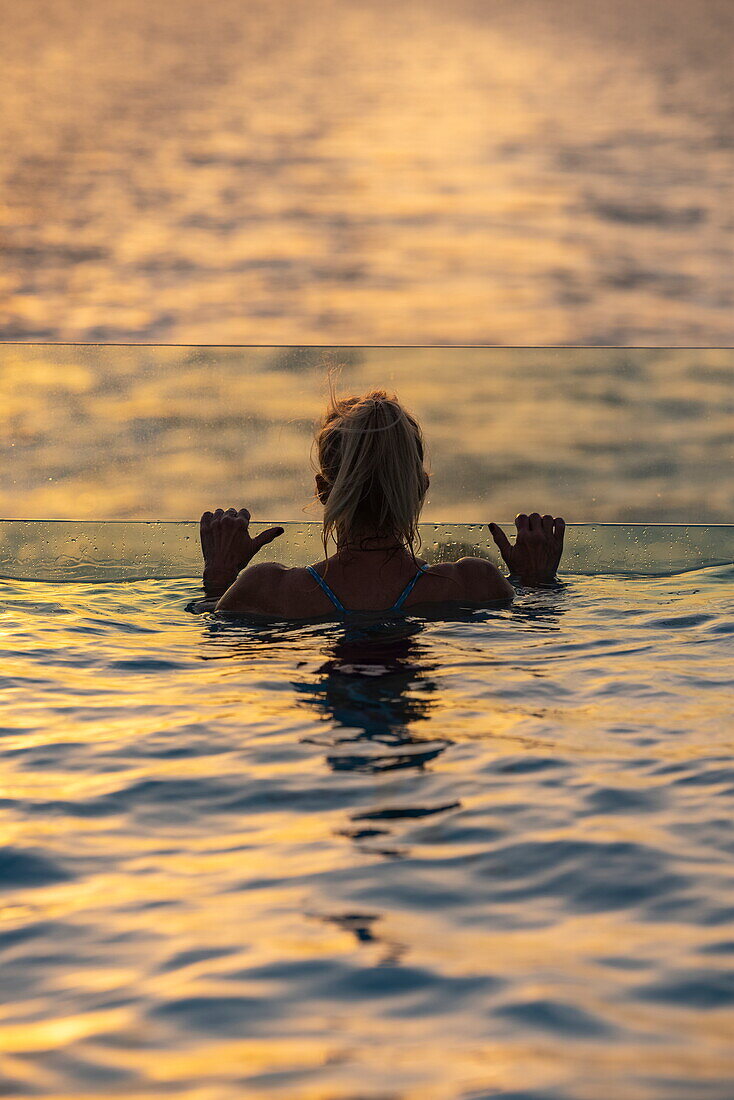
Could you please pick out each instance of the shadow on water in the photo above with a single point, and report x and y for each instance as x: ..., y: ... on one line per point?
x: 370, y: 683
x: 375, y: 690
x: 365, y: 927
x: 376, y: 677
x: 373, y: 684
x: 372, y: 687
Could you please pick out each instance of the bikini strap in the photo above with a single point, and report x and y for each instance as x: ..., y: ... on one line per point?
x: 408, y: 589
x: 334, y: 599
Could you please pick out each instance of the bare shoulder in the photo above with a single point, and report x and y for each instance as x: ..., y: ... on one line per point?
x: 483, y: 580
x: 256, y: 588
x: 473, y: 579
x: 270, y: 588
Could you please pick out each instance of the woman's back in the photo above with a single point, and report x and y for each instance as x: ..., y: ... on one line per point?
x: 338, y: 587
x: 334, y: 599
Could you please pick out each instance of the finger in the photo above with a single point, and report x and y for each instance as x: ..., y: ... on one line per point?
x: 535, y: 522
x: 219, y: 513
x: 231, y: 512
x: 501, y: 540
x: 521, y: 522
x: 245, y: 514
x: 205, y: 526
x: 547, y: 523
x: 266, y: 536
x: 560, y: 528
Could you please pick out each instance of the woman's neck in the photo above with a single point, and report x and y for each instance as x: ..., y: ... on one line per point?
x: 366, y: 543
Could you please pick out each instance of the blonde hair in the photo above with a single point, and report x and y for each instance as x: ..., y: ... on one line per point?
x: 370, y: 452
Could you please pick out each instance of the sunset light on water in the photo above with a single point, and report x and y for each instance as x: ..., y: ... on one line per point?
x: 443, y: 292
x: 474, y: 855
x: 370, y: 172
x: 434, y: 861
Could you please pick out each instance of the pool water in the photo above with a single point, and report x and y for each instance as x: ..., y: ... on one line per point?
x: 482, y: 856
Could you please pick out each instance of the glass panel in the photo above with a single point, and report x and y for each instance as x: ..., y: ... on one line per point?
x: 56, y: 550
x: 164, y: 433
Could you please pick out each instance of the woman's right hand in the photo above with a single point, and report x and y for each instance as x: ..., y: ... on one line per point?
x: 538, y: 547
x: 228, y: 547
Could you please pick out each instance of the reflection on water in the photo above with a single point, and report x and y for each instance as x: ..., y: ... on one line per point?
x: 283, y: 172
x: 374, y: 686
x: 487, y: 854
x: 371, y: 691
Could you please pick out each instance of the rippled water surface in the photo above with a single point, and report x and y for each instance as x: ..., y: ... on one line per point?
x: 489, y: 856
x: 279, y: 171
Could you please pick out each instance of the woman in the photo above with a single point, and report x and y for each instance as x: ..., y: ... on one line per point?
x: 372, y: 483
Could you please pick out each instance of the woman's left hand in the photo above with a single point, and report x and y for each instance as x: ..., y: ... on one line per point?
x: 227, y: 546
x: 537, y: 550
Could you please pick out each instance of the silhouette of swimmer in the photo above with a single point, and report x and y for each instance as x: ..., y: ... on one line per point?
x: 372, y: 483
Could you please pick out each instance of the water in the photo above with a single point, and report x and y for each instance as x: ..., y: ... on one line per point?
x: 368, y: 172
x: 489, y: 856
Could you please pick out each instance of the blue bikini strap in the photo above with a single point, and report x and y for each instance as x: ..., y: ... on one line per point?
x: 334, y: 599
x: 408, y: 589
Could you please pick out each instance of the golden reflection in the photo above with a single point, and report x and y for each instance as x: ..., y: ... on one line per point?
x: 376, y: 173
x: 40, y: 1035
